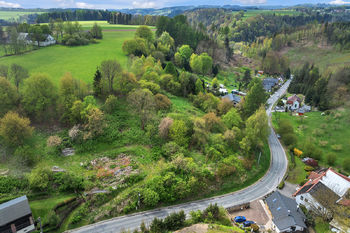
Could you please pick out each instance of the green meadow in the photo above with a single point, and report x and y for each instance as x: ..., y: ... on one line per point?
x: 330, y: 133
x: 80, y: 61
x: 6, y: 15
x: 252, y: 13
x: 324, y: 58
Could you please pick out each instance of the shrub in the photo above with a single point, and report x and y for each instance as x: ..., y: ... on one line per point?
x: 346, y: 164
x: 26, y: 155
x: 281, y: 185
x: 289, y: 139
x: 14, y: 129
x: 254, y: 227
x: 75, y: 132
x: 175, y: 221
x: 337, y: 147
x: 331, y: 158
x: 196, y: 216
x: 162, y: 102
x: 110, y: 104
x: 297, y: 152
x: 39, y: 178
x: 323, y: 143
x: 150, y: 197
x: 157, y: 226
x: 308, y: 168
x: 164, y: 127
x: 54, y: 141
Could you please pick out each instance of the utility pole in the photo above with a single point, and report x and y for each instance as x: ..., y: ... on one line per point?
x: 41, y: 227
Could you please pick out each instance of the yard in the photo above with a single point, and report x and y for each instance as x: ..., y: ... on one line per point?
x: 330, y: 133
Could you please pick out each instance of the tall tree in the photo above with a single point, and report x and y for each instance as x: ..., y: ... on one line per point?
x: 96, y: 31
x: 39, y: 96
x: 97, y: 85
x: 256, y: 132
x: 36, y: 33
x: 142, y: 102
x: 8, y: 96
x: 110, y: 69
x: 14, y: 130
x: 256, y: 97
x: 18, y: 74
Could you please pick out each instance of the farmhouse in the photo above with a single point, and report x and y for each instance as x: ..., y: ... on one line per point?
x: 16, y: 216
x: 286, y: 215
x: 49, y: 40
x: 293, y: 102
x: 236, y: 99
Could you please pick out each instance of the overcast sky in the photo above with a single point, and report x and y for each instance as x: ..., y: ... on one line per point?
x: 118, y: 4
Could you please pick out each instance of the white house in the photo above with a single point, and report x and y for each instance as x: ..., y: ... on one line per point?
x: 293, y: 102
x: 323, y: 189
x: 286, y: 216
x: 49, y: 40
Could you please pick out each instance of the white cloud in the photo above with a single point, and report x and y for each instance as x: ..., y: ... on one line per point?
x: 252, y: 2
x: 143, y: 4
x: 65, y: 3
x: 84, y: 5
x: 73, y: 4
x: 339, y: 2
x: 9, y: 4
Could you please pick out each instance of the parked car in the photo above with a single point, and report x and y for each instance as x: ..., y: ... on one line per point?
x: 248, y: 223
x: 240, y: 219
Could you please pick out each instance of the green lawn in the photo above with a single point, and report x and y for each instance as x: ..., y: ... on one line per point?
x: 330, y: 133
x: 6, y: 15
x: 81, y: 61
x: 41, y: 208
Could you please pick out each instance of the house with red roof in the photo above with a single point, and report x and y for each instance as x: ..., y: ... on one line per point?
x: 293, y: 102
x: 324, y: 189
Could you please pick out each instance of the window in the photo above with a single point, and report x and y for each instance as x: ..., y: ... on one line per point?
x: 306, y: 200
x: 301, y: 198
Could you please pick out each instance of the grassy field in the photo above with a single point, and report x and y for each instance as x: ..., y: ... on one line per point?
x: 329, y: 133
x: 41, y: 208
x: 322, y: 57
x: 6, y: 15
x: 251, y: 13
x: 81, y: 61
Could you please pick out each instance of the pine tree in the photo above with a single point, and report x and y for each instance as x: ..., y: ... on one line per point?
x: 97, y: 83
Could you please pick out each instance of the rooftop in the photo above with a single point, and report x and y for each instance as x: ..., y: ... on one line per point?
x: 14, y: 209
x: 284, y: 211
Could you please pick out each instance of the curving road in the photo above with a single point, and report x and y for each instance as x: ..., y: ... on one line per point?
x: 261, y: 188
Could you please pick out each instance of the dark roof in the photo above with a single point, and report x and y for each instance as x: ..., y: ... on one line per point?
x: 14, y: 209
x: 284, y: 211
x: 324, y: 195
x: 268, y: 83
x: 233, y: 97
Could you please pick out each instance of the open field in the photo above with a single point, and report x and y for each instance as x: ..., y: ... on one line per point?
x: 322, y: 57
x: 329, y: 133
x: 81, y: 61
x: 6, y: 15
x: 106, y: 26
x: 251, y: 13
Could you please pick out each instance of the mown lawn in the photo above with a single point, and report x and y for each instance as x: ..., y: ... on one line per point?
x: 41, y: 208
x: 81, y: 61
x: 330, y: 133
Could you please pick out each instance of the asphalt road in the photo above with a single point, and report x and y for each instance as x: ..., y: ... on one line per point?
x: 261, y: 188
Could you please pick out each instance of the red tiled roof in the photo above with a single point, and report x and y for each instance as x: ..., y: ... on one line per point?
x: 314, y: 178
x: 293, y: 98
x: 344, y: 202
